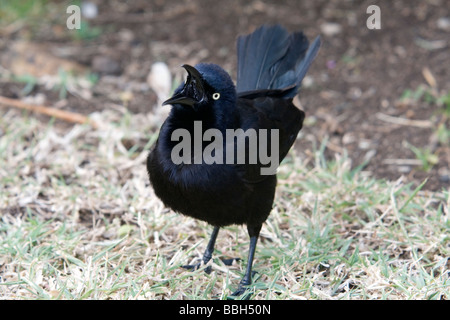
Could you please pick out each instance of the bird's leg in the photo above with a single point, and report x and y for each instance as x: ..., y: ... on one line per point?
x: 247, y: 279
x: 210, y: 247
x: 208, y: 252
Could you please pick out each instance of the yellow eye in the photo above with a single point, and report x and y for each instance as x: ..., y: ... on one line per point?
x: 216, y: 96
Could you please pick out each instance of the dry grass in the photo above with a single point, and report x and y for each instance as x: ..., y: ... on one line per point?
x: 80, y: 221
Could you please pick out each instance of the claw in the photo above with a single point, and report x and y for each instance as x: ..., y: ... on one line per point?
x: 229, y: 262
x: 194, y: 267
x: 242, y: 293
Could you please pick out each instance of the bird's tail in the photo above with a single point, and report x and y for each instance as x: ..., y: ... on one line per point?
x: 273, y: 58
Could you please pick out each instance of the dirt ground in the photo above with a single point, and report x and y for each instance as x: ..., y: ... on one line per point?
x: 372, y: 93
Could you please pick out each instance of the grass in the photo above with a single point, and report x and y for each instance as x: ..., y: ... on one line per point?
x: 78, y: 220
x: 425, y: 155
x: 429, y: 96
x: 36, y: 15
x: 13, y: 11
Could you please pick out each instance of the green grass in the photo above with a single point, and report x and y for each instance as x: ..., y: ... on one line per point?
x: 36, y: 15
x: 78, y: 220
x: 13, y: 11
x: 440, y: 101
x: 425, y: 155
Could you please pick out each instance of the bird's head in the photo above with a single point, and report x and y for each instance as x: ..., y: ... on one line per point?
x: 207, y: 86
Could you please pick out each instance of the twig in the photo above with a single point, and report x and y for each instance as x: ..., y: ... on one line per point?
x: 403, y: 121
x: 403, y: 162
x: 52, y: 112
x: 426, y: 72
x: 149, y: 17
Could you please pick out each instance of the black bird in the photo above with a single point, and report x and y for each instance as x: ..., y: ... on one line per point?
x: 271, y: 65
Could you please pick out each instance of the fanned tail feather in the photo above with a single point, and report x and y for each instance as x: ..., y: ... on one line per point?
x: 273, y: 58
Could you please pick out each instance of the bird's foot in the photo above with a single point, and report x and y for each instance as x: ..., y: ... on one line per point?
x: 243, y: 292
x: 229, y: 262
x: 208, y: 269
x: 193, y: 267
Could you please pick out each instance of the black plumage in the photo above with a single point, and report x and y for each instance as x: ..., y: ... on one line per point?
x: 271, y: 65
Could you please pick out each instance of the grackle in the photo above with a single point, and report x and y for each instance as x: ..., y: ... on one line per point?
x: 271, y: 65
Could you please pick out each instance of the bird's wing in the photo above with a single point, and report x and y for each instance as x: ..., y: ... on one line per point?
x: 266, y: 112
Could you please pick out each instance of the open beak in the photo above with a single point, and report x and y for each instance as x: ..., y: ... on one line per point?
x: 193, y: 91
